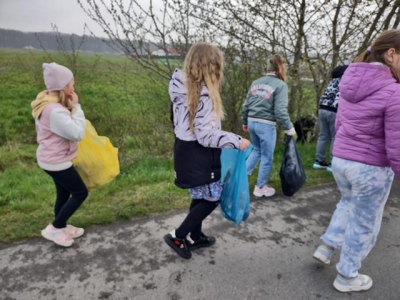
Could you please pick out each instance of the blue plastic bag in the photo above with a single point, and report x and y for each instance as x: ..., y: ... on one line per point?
x: 235, y: 198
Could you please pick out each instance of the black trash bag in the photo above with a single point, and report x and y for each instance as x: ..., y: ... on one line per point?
x: 292, y: 173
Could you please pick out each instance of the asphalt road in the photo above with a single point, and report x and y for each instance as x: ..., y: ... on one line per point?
x: 267, y: 257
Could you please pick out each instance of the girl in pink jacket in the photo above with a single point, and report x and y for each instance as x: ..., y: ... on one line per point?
x: 60, y: 125
x: 366, y: 155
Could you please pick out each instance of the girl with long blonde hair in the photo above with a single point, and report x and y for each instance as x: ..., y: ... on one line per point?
x: 197, y: 112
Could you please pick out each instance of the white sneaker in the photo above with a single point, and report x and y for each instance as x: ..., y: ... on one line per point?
x: 74, y: 232
x: 357, y: 284
x: 323, y: 254
x: 265, y: 191
x: 58, y: 236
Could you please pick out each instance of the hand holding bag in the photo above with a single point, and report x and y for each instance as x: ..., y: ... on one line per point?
x: 97, y: 161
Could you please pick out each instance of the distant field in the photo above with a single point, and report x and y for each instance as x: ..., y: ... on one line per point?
x: 123, y: 102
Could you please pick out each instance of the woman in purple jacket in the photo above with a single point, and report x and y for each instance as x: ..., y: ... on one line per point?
x: 366, y: 155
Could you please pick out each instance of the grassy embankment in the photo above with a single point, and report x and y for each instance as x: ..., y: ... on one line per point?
x: 124, y: 103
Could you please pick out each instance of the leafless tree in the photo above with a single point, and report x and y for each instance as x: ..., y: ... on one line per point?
x: 341, y: 30
x: 314, y: 36
x: 137, y: 30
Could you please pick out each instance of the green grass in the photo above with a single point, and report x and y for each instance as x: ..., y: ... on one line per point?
x: 124, y: 103
x: 27, y: 194
x: 145, y: 186
x: 307, y: 153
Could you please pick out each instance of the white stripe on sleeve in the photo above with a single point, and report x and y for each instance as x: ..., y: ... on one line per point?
x: 69, y: 126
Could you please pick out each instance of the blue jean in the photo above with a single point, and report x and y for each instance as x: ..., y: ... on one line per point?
x: 327, y: 133
x: 356, y: 222
x: 263, y: 138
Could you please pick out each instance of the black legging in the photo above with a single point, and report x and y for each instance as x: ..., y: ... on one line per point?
x: 71, y: 192
x: 199, y: 210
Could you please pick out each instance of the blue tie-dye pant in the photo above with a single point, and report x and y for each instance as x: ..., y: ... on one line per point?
x: 357, y: 219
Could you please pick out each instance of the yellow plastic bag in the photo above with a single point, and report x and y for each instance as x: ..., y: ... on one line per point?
x: 97, y: 161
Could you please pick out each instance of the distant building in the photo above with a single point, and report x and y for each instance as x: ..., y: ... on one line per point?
x: 173, y: 52
x: 162, y: 52
x: 158, y: 52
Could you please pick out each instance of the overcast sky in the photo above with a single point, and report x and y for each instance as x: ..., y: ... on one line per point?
x: 38, y: 15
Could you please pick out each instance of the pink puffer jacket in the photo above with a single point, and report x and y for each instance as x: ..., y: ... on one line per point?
x: 368, y: 119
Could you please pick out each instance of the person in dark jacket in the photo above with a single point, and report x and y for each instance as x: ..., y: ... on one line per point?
x: 328, y: 106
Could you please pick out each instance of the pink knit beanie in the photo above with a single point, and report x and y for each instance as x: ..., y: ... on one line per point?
x: 56, y: 77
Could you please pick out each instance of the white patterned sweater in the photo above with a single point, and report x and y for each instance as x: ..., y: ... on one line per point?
x: 207, y: 125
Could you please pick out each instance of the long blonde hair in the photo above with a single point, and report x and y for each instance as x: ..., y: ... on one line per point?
x: 203, y: 65
x: 376, y: 52
x: 63, y: 99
